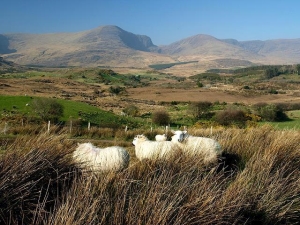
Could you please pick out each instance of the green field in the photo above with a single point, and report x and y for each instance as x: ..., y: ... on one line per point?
x: 21, y: 105
x: 293, y: 123
x: 12, y: 105
x: 15, y: 104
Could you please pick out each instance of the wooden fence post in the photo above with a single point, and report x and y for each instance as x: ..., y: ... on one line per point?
x: 49, y: 126
x: 71, y: 124
x: 5, y: 128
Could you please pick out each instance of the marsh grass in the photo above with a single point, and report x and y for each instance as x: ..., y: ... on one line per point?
x: 256, y: 181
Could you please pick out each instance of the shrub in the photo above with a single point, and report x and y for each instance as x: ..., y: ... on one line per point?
x: 273, y: 91
x: 199, y: 84
x: 207, y: 76
x: 271, y: 72
x: 116, y: 89
x: 270, y: 112
x: 161, y: 117
x: 131, y: 110
x: 105, y: 72
x: 200, y: 109
x: 229, y: 117
x: 298, y: 69
x: 48, y: 109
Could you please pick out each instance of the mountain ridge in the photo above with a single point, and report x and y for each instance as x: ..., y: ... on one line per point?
x: 112, y: 46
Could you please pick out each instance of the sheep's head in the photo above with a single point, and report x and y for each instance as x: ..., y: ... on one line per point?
x: 179, y: 135
x: 139, y: 138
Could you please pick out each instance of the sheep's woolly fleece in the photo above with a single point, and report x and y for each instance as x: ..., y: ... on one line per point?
x: 112, y: 158
x: 146, y: 149
x: 161, y: 137
x: 208, y: 148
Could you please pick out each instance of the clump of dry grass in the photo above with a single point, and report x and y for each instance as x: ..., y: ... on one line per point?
x: 148, y: 192
x: 268, y: 183
x: 256, y: 182
x: 34, y: 172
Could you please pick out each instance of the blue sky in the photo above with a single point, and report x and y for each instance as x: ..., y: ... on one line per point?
x: 164, y: 21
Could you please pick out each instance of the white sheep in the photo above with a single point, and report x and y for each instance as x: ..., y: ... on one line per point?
x: 112, y: 158
x: 161, y: 137
x: 146, y: 149
x: 208, y: 148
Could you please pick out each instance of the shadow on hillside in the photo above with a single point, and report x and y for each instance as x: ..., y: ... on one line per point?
x: 4, y: 45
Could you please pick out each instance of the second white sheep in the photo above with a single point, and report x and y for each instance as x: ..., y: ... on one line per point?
x: 161, y: 137
x: 146, y: 149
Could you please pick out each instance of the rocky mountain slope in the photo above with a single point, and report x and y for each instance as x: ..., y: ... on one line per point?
x: 113, y: 46
x: 8, y: 66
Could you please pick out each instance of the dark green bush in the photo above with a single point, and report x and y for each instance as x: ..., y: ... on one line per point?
x: 48, y: 109
x: 231, y: 117
x: 201, y: 109
x: 270, y: 112
x: 161, y: 117
x: 116, y: 89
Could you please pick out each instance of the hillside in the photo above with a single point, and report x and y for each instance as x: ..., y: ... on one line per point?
x: 205, y: 45
x: 107, y: 45
x: 115, y: 47
x: 8, y: 66
x: 284, y: 51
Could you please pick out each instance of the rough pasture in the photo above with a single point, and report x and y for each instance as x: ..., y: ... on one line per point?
x: 257, y: 182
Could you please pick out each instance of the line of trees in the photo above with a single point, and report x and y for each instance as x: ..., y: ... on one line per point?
x: 283, y: 69
x: 239, y: 116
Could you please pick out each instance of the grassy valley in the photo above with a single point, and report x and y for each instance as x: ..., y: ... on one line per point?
x: 81, y: 89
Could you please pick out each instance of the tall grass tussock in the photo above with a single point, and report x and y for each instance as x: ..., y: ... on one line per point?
x: 255, y: 181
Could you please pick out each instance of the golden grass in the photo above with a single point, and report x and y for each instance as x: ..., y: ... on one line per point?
x: 257, y: 181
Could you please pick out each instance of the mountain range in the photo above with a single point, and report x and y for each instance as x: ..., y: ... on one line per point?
x: 115, y: 47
